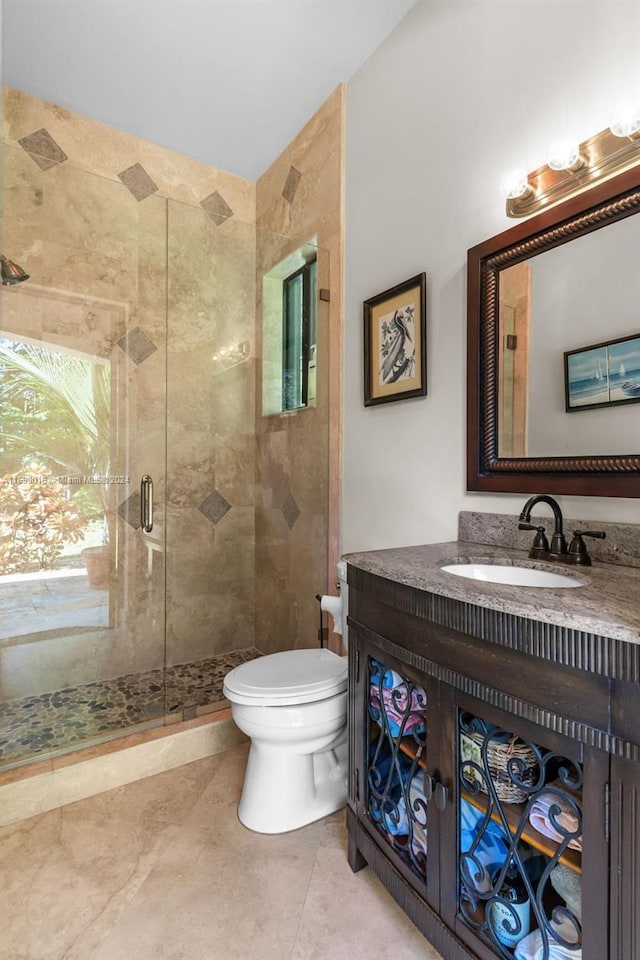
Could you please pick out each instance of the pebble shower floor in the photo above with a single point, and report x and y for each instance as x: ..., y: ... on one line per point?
x: 54, y: 721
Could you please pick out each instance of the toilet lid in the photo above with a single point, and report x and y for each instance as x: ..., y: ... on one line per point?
x: 295, y: 676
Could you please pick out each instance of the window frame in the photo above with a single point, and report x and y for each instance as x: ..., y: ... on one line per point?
x: 289, y: 354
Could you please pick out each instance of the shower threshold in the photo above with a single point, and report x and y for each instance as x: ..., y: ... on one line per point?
x: 49, y: 724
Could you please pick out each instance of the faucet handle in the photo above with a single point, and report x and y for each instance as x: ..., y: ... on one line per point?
x: 540, y: 547
x: 578, y: 552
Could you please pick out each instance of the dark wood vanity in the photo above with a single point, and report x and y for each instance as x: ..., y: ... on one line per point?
x: 486, y: 744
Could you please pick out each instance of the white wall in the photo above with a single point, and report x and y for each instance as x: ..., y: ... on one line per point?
x: 461, y: 91
x: 584, y: 292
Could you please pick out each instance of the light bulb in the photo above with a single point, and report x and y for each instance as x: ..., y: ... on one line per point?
x: 564, y: 154
x: 514, y: 183
x: 625, y: 119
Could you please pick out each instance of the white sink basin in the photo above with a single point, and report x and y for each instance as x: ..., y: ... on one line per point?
x: 517, y: 576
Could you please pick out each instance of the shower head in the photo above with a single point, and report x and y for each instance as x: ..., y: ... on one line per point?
x: 11, y: 272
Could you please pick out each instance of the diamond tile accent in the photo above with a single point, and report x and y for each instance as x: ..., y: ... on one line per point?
x: 290, y: 510
x: 137, y: 345
x: 138, y: 182
x: 129, y: 510
x: 43, y: 149
x: 214, y: 507
x: 291, y: 184
x: 216, y: 207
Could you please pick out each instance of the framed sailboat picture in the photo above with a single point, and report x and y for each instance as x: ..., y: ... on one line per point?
x: 602, y: 374
x: 395, y: 349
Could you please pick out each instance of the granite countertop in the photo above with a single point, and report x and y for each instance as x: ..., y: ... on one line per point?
x: 607, y: 604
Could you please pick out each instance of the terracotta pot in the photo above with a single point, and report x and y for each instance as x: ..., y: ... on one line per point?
x: 98, y: 563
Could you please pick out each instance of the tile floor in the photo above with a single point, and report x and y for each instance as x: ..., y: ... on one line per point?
x: 161, y: 869
x: 49, y: 722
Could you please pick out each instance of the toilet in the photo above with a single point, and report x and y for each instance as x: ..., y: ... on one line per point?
x: 293, y: 707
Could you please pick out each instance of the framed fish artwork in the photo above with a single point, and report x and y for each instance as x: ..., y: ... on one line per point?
x: 395, y: 343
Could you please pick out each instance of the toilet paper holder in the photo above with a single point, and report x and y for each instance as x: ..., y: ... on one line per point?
x: 333, y: 606
x: 336, y: 607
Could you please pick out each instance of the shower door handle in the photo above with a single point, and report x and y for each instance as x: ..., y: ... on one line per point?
x: 146, y: 503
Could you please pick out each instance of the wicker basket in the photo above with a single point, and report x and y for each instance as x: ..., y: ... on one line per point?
x: 498, y: 756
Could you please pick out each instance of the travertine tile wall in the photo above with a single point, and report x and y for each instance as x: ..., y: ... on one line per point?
x: 156, y: 252
x: 210, y: 437
x: 99, y: 149
x: 164, y: 250
x: 298, y: 454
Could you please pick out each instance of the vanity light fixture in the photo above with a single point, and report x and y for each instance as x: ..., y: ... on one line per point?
x: 574, y: 167
x: 564, y: 154
x: 625, y: 119
x: 514, y: 184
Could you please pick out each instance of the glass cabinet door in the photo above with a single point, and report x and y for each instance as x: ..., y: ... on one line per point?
x: 521, y: 841
x: 396, y: 756
x: 395, y: 783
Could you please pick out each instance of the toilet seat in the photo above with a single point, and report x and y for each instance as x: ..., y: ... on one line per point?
x: 283, y: 679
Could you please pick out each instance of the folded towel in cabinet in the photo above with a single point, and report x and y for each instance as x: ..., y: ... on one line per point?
x: 397, y: 821
x: 490, y: 853
x: 390, y: 678
x: 419, y: 843
x: 531, y: 947
x: 565, y: 818
x: 404, y: 712
x: 418, y: 846
x: 385, y: 775
x: 568, y: 884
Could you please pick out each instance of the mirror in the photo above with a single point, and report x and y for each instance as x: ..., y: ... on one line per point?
x: 554, y: 349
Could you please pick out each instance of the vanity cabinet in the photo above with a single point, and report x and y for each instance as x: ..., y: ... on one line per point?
x: 483, y: 791
x: 625, y: 856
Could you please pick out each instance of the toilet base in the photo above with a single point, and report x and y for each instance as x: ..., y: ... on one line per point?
x: 285, y: 791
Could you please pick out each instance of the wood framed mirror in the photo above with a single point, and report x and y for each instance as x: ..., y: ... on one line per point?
x: 566, y: 281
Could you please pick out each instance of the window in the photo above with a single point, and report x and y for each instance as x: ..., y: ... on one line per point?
x: 299, y: 337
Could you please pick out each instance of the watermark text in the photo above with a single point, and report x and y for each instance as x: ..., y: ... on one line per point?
x: 22, y: 479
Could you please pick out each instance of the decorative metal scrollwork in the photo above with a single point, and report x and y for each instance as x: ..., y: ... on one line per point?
x: 396, y: 744
x: 519, y: 816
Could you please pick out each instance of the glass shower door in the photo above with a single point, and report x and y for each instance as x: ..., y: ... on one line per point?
x: 82, y: 422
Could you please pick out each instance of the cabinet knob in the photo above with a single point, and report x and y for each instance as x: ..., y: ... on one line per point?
x: 442, y: 795
x: 433, y: 788
x: 429, y: 784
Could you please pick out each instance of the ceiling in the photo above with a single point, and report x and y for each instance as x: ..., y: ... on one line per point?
x: 229, y: 82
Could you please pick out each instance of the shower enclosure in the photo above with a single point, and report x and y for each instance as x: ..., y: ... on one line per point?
x: 138, y: 544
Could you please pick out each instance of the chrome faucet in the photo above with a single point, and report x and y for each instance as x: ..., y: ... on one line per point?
x: 541, y: 549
